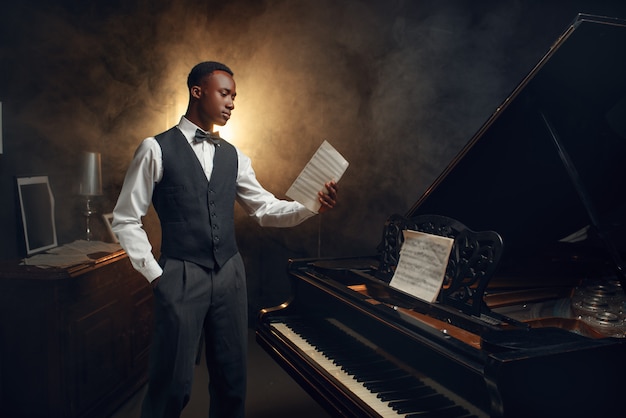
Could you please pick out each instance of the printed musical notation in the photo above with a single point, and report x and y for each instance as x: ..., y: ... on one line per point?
x: 422, y: 265
x: 326, y: 165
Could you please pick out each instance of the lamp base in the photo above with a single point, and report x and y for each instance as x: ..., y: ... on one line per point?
x: 88, y: 213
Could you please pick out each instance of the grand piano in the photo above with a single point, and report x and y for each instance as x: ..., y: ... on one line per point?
x: 536, y: 326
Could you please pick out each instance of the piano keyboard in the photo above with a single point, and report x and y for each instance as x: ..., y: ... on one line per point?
x: 382, y: 384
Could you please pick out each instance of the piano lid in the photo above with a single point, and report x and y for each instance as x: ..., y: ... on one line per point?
x: 511, y: 177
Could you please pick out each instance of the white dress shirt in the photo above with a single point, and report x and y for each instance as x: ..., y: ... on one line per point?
x: 146, y: 170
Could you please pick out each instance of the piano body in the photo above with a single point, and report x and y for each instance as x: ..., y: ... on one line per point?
x: 542, y: 335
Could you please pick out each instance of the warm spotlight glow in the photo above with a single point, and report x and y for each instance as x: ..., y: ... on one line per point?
x: 177, y: 107
x: 228, y: 131
x: 241, y: 130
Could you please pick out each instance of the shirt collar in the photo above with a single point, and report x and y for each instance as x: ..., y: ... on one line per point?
x: 188, y: 129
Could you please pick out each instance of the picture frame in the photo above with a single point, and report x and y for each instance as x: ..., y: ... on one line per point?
x: 37, y: 213
x: 108, y: 222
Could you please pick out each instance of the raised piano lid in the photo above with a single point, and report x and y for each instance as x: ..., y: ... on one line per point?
x: 511, y: 178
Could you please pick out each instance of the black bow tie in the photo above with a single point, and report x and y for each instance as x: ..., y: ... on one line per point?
x: 206, y: 136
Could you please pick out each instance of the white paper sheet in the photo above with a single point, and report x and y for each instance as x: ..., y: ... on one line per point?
x: 422, y: 264
x: 325, y: 165
x: 71, y: 254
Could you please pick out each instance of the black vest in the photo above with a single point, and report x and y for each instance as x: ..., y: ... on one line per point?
x: 197, y: 216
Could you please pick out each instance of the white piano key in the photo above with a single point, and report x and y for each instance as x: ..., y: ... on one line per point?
x: 348, y: 381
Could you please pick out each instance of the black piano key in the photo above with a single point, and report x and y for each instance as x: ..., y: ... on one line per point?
x: 355, y: 362
x: 402, y: 383
x: 357, y: 359
x: 355, y: 356
x: 455, y: 411
x: 424, y: 404
x: 404, y: 394
x: 372, y: 365
x: 372, y: 371
x: 335, y: 350
x: 396, y: 382
x: 385, y: 375
x: 339, y: 350
x: 361, y: 357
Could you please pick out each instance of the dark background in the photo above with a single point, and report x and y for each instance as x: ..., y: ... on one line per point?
x: 397, y: 87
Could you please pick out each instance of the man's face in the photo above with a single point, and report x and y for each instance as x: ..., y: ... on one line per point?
x: 216, y: 98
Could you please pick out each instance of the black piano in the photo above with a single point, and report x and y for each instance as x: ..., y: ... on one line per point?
x: 530, y: 319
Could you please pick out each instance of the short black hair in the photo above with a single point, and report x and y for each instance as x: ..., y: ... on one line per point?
x: 203, y: 69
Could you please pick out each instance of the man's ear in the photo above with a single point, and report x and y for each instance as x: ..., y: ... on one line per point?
x: 196, y: 91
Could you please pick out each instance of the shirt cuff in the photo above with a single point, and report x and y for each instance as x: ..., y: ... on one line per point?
x: 151, y: 270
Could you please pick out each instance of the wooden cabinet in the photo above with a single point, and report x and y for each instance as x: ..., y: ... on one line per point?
x: 73, y: 342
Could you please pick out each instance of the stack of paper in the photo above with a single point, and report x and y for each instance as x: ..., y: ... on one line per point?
x: 71, y: 254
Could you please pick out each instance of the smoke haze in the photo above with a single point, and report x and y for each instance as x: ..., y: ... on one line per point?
x: 398, y: 87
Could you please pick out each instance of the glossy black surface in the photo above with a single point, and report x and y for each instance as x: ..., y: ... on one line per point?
x: 547, y: 164
x: 510, y: 177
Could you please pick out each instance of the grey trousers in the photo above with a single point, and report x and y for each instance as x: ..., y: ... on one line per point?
x: 189, y: 298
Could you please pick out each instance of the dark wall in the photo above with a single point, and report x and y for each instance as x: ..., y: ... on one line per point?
x: 397, y: 87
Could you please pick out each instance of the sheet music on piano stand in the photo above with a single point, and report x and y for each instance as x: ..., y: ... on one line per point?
x: 326, y: 164
x: 422, y: 264
x: 505, y: 322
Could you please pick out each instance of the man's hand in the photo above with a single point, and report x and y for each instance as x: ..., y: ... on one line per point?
x: 328, y: 200
x: 155, y: 282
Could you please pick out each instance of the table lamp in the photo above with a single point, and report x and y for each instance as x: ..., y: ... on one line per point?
x: 90, y: 186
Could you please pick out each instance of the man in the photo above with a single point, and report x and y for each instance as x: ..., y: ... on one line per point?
x: 193, y: 179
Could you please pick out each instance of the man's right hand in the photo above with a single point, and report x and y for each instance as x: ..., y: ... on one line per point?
x: 154, y: 282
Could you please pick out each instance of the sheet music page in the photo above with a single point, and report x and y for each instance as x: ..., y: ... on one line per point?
x: 422, y: 264
x: 325, y: 165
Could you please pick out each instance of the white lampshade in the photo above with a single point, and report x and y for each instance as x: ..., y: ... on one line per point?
x: 91, y: 175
